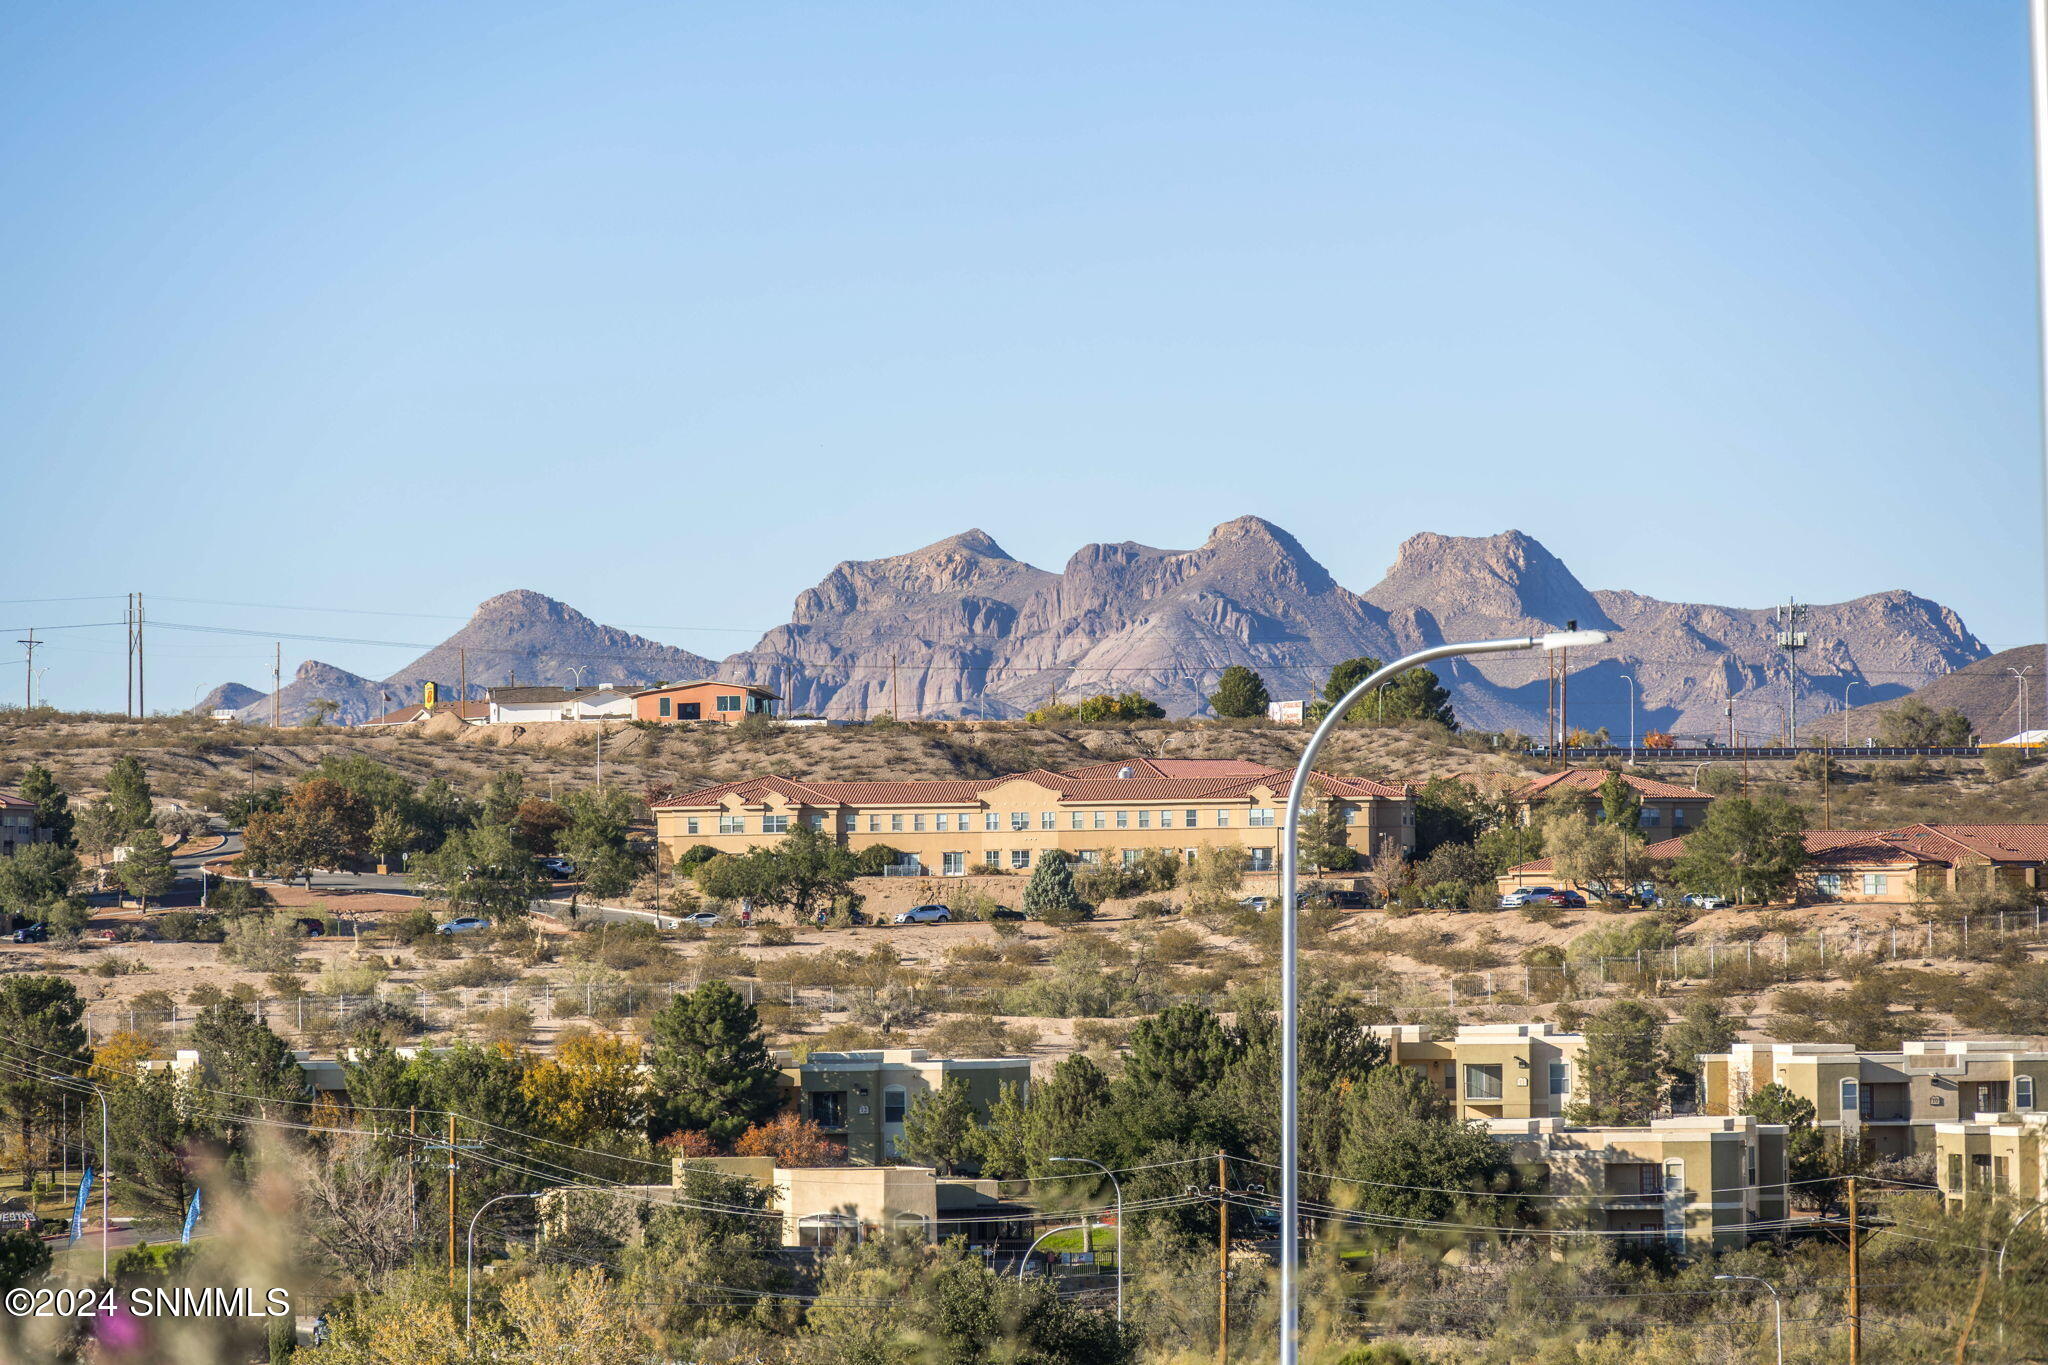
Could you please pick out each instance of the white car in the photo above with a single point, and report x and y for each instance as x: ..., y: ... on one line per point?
x: 468, y: 924
x: 1254, y: 903
x: 702, y: 919
x: 1523, y: 895
x: 558, y: 867
x: 924, y: 914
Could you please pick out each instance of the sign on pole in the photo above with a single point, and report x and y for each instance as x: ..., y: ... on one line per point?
x: 191, y: 1218
x: 78, y: 1209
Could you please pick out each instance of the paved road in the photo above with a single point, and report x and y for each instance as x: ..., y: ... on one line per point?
x: 389, y: 883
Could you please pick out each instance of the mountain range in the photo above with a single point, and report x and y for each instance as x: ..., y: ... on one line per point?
x: 962, y: 629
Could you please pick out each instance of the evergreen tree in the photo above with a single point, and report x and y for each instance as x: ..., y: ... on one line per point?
x: 42, y: 1041
x: 480, y: 871
x: 1750, y: 850
x: 1240, y: 694
x: 38, y: 882
x: 1620, y: 1067
x: 1417, y: 695
x: 1409, y: 1154
x: 150, y: 1127
x: 240, y: 1055
x: 1063, y: 1110
x: 1003, y: 1146
x: 1050, y: 895
x: 1703, y: 1028
x: 128, y: 790
x: 1620, y: 804
x: 147, y: 870
x: 1344, y: 677
x: 53, y: 806
x: 709, y: 1070
x: 939, y: 1128
x: 1182, y: 1050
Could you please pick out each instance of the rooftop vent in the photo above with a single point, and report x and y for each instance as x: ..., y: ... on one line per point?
x: 1124, y: 771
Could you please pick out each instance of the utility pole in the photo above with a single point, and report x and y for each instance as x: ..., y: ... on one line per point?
x: 1855, y: 1282
x: 462, y: 655
x: 128, y: 622
x: 1827, y: 812
x: 1791, y: 639
x: 141, y: 693
x: 27, y: 682
x: 895, y: 689
x: 1222, y: 1260
x: 451, y: 1201
x: 276, y: 680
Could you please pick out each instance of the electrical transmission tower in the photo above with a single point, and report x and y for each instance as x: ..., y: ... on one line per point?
x: 1791, y: 639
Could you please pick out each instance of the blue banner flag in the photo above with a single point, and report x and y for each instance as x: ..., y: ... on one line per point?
x: 78, y: 1209
x: 191, y: 1217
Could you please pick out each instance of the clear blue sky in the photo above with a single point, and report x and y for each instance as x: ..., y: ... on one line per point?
x: 664, y: 309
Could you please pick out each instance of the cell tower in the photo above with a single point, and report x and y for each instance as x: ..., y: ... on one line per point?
x: 1791, y: 639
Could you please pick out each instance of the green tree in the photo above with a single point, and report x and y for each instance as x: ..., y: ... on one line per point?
x: 53, y: 806
x: 1050, y: 895
x: 939, y: 1129
x: 39, y: 881
x: 1607, y: 855
x: 128, y: 790
x: 1344, y: 677
x: 1411, y: 1156
x: 1417, y: 695
x: 1240, y: 694
x: 98, y: 830
x: 239, y: 1054
x: 152, y: 1128
x: 1124, y: 706
x: 1806, y: 1156
x: 147, y: 870
x: 392, y: 835
x: 1324, y: 839
x: 1748, y: 849
x: 1063, y: 1110
x: 1620, y: 1066
x: 1914, y: 722
x: 709, y: 1070
x: 480, y: 871
x: 1002, y: 1146
x: 502, y: 795
x: 24, y: 1259
x: 1181, y: 1050
x: 42, y: 1043
x: 1620, y: 804
x: 1510, y: 846
x: 598, y: 839
x: 1703, y: 1028
x: 1449, y: 811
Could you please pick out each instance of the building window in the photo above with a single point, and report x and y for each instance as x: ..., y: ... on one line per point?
x: 994, y: 858
x: 1482, y: 1083
x: 2023, y: 1092
x: 1048, y: 820
x: 990, y: 821
x: 1144, y: 819
x: 1262, y: 817
x: 1650, y: 817
x: 1955, y: 1172
x: 690, y: 710
x: 816, y: 822
x: 874, y: 824
x: 1074, y: 821
x: 1560, y: 1078
x: 1101, y: 819
x: 917, y: 823
x: 667, y: 707
x: 895, y: 824
x: 1123, y: 819
x: 1874, y: 883
x: 1090, y: 856
x: 1188, y: 817
x: 1261, y: 860
x: 775, y: 824
x: 894, y: 1101
x: 1829, y: 883
x: 690, y: 825
x: 1852, y: 1101
x: 1351, y: 815
x: 953, y: 864
x: 1130, y: 857
x: 1674, y: 1176
x: 1223, y: 819
x: 828, y: 1108
x: 732, y: 824
x: 943, y: 821
x: 1678, y: 817
x: 1166, y: 819
x: 1020, y: 820
x: 728, y: 703
x: 1020, y: 858
x: 1407, y: 815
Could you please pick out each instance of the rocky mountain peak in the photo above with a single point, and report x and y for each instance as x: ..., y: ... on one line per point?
x: 525, y: 605
x: 1503, y: 579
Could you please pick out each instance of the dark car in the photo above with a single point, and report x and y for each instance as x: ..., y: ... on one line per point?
x: 1571, y: 900
x: 1350, y: 900
x: 314, y: 927
x: 32, y: 933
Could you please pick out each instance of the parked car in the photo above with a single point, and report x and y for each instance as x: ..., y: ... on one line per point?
x: 1255, y: 902
x: 1699, y: 900
x: 558, y: 867
x: 467, y: 924
x: 1351, y: 900
x: 1570, y: 900
x: 1523, y: 895
x: 32, y: 933
x: 313, y: 927
x: 924, y: 914
x: 702, y: 919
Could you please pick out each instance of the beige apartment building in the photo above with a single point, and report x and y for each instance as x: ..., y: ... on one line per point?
x: 1668, y: 810
x: 1107, y: 810
x: 1493, y: 1071
x: 1891, y: 1102
x: 861, y: 1098
x: 2000, y: 1155
x: 1696, y: 1184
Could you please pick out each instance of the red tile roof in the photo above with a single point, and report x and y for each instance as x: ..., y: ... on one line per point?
x: 1943, y: 845
x: 15, y: 802
x: 1589, y: 780
x: 1174, y: 767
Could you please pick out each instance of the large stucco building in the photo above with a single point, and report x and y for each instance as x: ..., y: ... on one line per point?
x: 1493, y: 1071
x: 1667, y: 808
x: 2001, y: 1156
x: 1890, y: 1102
x: 952, y: 828
x: 1695, y: 1184
x: 861, y: 1098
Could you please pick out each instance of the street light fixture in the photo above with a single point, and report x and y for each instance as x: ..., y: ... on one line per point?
x: 1630, y: 680
x: 1050, y: 1232
x: 1847, y: 688
x: 1116, y: 1185
x: 2021, y: 674
x: 1290, y: 1119
x: 1777, y: 1308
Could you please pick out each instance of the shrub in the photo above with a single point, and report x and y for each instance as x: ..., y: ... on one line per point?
x: 476, y: 972
x: 506, y: 1025
x: 2001, y: 765
x: 1150, y: 909
x: 871, y: 860
x: 182, y: 926
x: 775, y: 936
x: 969, y: 1036
x: 412, y: 926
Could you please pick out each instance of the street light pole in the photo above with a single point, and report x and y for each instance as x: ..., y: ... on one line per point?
x: 1777, y: 1308
x: 1297, y: 792
x: 1049, y: 1232
x: 1847, y: 688
x: 1631, y: 715
x: 469, y: 1273
x: 1116, y: 1185
x: 2021, y: 674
